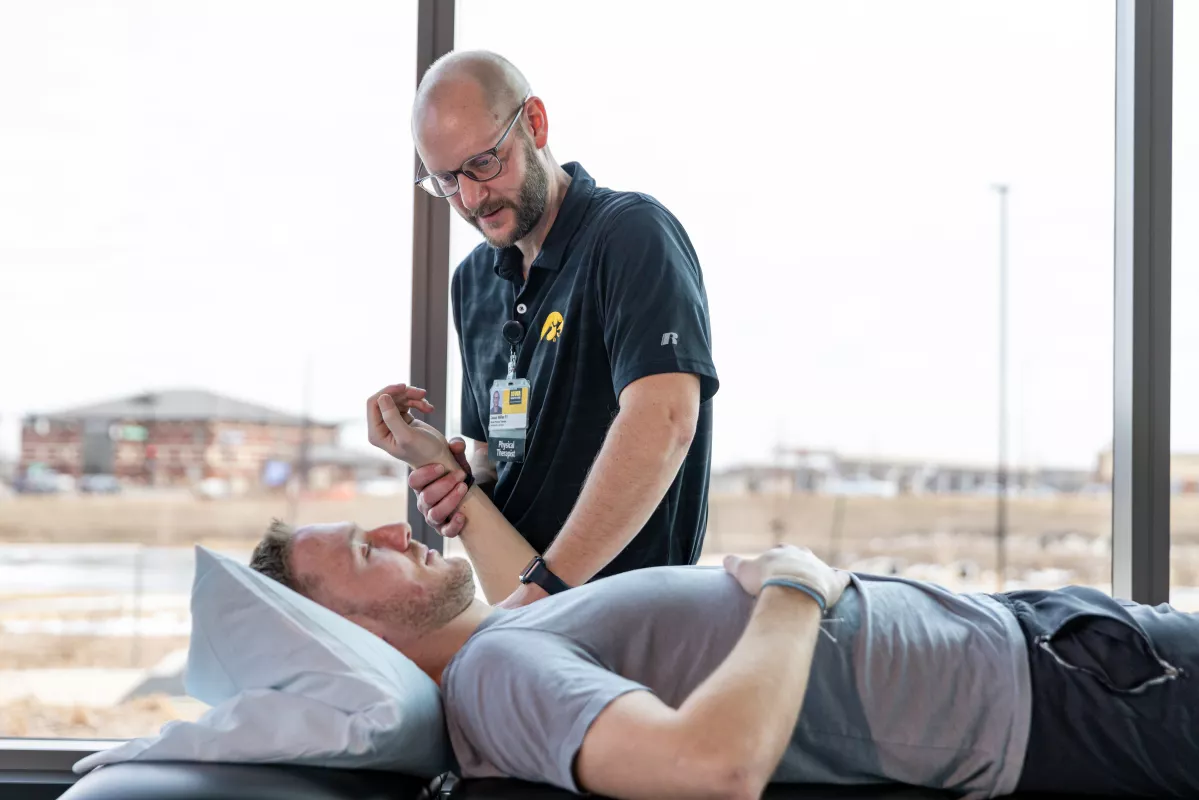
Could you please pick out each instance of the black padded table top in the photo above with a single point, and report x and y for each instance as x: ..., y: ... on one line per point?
x: 152, y: 780
x: 204, y: 781
x: 512, y: 790
x: 516, y: 790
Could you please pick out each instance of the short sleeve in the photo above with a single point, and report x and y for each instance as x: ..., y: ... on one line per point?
x: 519, y: 703
x: 468, y: 416
x: 653, y: 300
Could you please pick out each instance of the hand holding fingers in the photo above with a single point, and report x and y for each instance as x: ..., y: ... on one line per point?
x: 448, y: 529
x: 423, y: 477
x: 409, y: 398
x: 411, y: 441
x: 454, y: 526
x: 444, y: 497
x: 443, y: 488
x: 404, y: 398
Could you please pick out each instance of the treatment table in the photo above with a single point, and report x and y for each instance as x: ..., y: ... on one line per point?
x: 204, y: 781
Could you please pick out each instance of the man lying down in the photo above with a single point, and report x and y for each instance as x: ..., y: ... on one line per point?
x: 709, y: 682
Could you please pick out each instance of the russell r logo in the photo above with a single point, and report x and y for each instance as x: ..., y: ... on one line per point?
x: 552, y: 328
x: 670, y: 338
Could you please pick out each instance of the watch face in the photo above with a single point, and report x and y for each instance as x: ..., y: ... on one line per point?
x: 524, y: 576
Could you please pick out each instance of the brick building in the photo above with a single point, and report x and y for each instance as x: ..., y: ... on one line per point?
x: 173, y: 438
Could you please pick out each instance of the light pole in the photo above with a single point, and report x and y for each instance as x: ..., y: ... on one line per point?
x: 303, y: 456
x: 149, y: 402
x: 1001, y: 521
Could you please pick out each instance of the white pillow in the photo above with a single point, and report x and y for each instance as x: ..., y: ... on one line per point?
x: 291, y: 682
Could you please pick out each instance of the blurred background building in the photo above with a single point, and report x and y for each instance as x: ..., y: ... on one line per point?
x: 829, y: 472
x: 186, y: 438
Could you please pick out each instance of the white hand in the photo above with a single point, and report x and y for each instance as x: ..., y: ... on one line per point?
x: 792, y: 563
x: 392, y: 428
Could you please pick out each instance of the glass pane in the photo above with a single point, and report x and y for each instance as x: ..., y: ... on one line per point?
x: 205, y: 242
x: 1184, y: 347
x: 834, y: 165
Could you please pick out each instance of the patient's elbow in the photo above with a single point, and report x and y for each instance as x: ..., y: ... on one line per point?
x: 728, y: 774
x: 737, y: 783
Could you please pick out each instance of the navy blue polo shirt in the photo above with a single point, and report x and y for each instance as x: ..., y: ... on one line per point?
x: 615, y: 295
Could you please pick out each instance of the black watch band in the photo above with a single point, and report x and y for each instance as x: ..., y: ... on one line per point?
x: 538, y: 572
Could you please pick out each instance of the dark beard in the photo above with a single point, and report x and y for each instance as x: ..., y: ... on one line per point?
x: 530, y: 209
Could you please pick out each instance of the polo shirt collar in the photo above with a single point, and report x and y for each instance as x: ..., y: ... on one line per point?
x: 570, y: 216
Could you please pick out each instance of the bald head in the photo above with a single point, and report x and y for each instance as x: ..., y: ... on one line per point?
x: 468, y: 81
x: 490, y: 151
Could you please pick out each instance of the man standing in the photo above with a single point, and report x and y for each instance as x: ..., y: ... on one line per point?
x: 586, y: 310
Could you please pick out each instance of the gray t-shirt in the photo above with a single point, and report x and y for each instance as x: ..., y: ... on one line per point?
x: 914, y: 684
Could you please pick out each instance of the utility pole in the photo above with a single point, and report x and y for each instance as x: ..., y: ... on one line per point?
x: 1001, y: 510
x: 302, y: 462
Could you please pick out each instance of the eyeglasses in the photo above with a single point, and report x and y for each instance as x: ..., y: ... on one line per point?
x: 481, y: 167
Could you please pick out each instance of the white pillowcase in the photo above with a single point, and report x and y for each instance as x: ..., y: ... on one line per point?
x: 291, y: 682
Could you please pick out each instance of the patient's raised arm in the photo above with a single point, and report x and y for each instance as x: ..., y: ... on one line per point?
x: 496, y: 549
x: 406, y: 438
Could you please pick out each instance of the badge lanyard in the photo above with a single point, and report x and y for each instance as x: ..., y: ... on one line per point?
x: 514, y: 334
x: 509, y: 404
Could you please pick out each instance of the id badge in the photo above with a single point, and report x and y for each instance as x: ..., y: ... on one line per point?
x: 509, y: 402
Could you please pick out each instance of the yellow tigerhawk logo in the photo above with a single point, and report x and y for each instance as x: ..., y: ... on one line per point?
x: 552, y: 328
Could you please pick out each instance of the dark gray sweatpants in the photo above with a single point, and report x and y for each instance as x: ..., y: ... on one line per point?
x: 1115, y: 694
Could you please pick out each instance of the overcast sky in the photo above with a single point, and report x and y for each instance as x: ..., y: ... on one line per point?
x: 213, y: 194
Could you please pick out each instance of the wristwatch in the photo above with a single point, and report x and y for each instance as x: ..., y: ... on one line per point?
x: 538, y: 572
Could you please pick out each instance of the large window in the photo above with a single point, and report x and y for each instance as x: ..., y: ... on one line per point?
x: 835, y: 165
x: 205, y: 244
x: 205, y: 248
x: 1184, y: 353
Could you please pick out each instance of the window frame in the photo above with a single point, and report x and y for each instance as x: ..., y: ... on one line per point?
x: 430, y: 263
x: 1141, y: 421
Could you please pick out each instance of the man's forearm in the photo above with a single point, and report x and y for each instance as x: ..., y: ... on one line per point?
x: 747, y: 709
x: 496, y: 549
x: 638, y: 461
